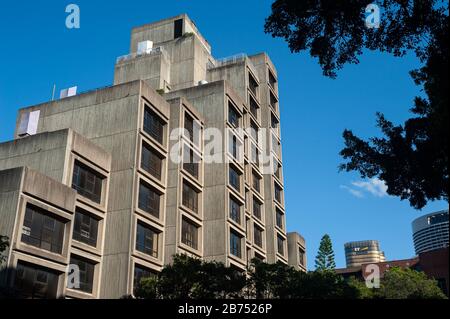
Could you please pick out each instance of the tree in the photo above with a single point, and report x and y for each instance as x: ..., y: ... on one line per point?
x: 406, y: 283
x: 412, y: 159
x: 325, y: 255
x: 192, y: 278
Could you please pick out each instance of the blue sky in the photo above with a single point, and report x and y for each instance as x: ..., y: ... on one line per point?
x: 38, y: 51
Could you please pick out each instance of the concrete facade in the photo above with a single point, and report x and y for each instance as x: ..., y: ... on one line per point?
x: 164, y: 189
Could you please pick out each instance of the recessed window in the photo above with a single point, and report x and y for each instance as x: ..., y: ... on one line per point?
x: 256, y: 208
x: 233, y: 115
x: 140, y: 273
x: 278, y: 193
x: 35, y: 282
x: 234, y: 147
x: 190, y: 197
x: 276, y: 146
x: 258, y: 236
x: 273, y: 102
x: 151, y: 161
x: 252, y: 84
x: 272, y: 80
x: 254, y: 130
x: 87, y: 182
x: 254, y: 154
x: 177, y: 28
x: 87, y: 269
x: 234, y: 177
x: 235, y: 244
x: 153, y: 125
x: 274, y: 123
x: 146, y: 240
x: 85, y: 228
x: 280, y: 245
x: 256, y: 182
x: 149, y: 199
x: 301, y: 256
x: 189, y: 233
x: 253, y: 107
x: 191, y: 162
x: 279, y: 218
x: 276, y: 169
x: 42, y: 230
x: 235, y: 210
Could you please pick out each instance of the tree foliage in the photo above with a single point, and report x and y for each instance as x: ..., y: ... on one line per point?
x: 412, y: 159
x: 325, y: 255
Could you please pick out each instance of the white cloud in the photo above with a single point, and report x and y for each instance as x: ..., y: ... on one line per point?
x: 352, y: 191
x: 374, y: 186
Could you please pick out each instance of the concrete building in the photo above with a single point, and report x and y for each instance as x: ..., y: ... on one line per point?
x: 146, y: 176
x: 296, y: 251
x: 363, y: 252
x: 430, y: 232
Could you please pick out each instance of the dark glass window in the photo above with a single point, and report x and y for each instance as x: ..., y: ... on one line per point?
x: 189, y: 126
x: 140, y: 273
x: 280, y: 245
x: 258, y: 236
x: 256, y: 208
x: 277, y: 169
x: 189, y: 234
x: 234, y: 147
x: 146, y: 240
x: 254, y: 107
x: 191, y: 162
x: 42, y: 231
x: 87, y: 182
x: 178, y: 28
x: 254, y: 130
x: 233, y: 115
x: 235, y: 210
x: 35, y: 282
x: 149, y: 199
x: 190, y: 197
x: 273, y: 102
x: 87, y: 269
x: 256, y: 182
x: 277, y: 192
x: 274, y: 122
x: 254, y: 154
x: 153, y: 125
x: 279, y: 218
x: 272, y: 80
x: 85, y: 228
x: 301, y: 256
x: 234, y: 179
x: 252, y: 84
x: 235, y: 244
x: 151, y: 161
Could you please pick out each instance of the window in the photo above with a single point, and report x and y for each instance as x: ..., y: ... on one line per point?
x: 273, y: 101
x: 153, y: 125
x: 140, y: 273
x: 254, y: 130
x: 253, y: 107
x: 190, y: 197
x: 189, y: 127
x: 276, y: 169
x: 146, y: 240
x: 42, y: 231
x: 280, y: 245
x: 247, y: 199
x: 190, y: 162
x: 277, y: 193
x: 254, y: 154
x: 279, y: 218
x: 233, y: 115
x: 87, y: 269
x: 149, y: 199
x: 234, y: 179
x: 252, y: 84
x: 256, y: 182
x: 177, y: 28
x: 35, y: 282
x: 276, y: 147
x: 87, y: 182
x: 258, y: 236
x: 272, y: 80
x: 274, y: 122
x: 151, y: 161
x: 235, y: 210
x: 301, y: 256
x: 256, y: 208
x: 85, y: 228
x: 234, y: 147
x: 235, y: 244
x: 189, y: 234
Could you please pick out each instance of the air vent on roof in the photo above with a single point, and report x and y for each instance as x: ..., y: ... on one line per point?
x: 68, y: 92
x: 28, y: 123
x: 144, y: 47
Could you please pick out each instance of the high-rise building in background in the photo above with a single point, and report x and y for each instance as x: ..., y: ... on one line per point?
x: 430, y: 232
x: 115, y: 181
x: 363, y: 252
